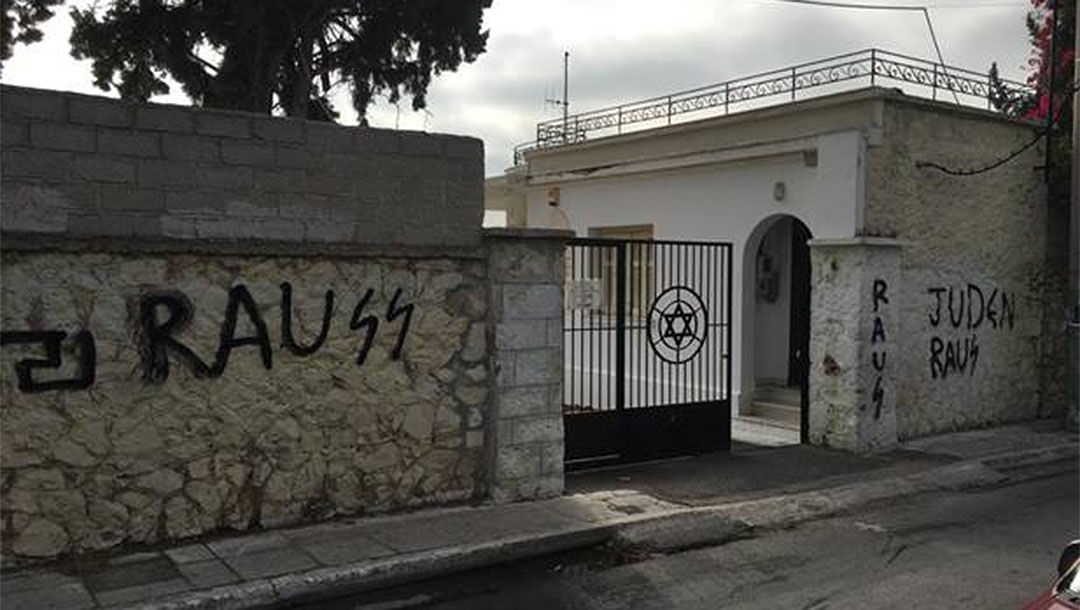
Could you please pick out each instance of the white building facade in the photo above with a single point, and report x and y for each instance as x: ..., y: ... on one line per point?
x: 849, y: 253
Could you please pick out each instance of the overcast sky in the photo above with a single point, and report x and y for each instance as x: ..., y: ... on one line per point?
x: 622, y: 50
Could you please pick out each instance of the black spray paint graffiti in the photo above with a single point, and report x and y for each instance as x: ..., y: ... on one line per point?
x: 878, y: 355
x: 288, y: 341
x: 968, y: 309
x: 160, y: 316
x: 52, y: 340
x: 370, y: 324
x: 156, y: 339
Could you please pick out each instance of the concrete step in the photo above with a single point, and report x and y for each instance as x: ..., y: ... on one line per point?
x: 757, y: 421
x: 762, y: 434
x: 788, y: 414
x: 778, y: 394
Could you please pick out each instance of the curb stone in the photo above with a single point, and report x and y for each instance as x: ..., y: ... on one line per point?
x: 332, y: 582
x: 1033, y: 458
x: 671, y: 530
x: 682, y: 532
x: 324, y: 583
x: 692, y: 527
x: 252, y: 594
x: 785, y: 511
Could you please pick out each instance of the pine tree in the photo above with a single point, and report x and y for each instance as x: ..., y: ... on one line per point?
x: 267, y: 55
x: 19, y: 20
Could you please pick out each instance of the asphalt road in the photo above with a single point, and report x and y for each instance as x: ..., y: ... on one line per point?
x: 987, y: 550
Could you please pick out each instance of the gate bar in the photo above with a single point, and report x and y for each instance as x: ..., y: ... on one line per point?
x: 620, y: 326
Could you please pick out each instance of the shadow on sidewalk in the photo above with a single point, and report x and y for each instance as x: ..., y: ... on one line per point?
x: 749, y: 471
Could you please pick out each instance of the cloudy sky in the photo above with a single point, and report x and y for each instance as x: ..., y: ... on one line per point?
x: 622, y: 50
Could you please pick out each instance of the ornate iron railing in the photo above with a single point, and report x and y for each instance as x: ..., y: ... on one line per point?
x: 873, y: 66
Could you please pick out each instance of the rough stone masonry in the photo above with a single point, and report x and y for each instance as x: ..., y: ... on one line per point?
x: 215, y: 321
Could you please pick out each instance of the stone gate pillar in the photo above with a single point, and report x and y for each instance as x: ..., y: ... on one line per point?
x: 525, y: 426
x: 855, y: 321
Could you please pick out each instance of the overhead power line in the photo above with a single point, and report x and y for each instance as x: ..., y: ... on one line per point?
x: 1017, y: 4
x: 907, y: 7
x: 885, y: 7
x: 880, y: 7
x: 1052, y: 118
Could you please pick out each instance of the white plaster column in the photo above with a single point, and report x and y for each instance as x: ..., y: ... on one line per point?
x: 855, y: 322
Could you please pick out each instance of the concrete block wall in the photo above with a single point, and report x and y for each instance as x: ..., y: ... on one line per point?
x: 525, y: 424
x: 92, y: 166
x: 215, y: 321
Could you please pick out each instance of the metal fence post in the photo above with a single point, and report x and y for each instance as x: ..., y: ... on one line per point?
x: 669, y: 110
x: 620, y: 326
x: 727, y: 96
x: 873, y: 66
x: 793, y: 84
x: 935, y: 83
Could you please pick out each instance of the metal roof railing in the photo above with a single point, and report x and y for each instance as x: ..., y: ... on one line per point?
x: 873, y: 66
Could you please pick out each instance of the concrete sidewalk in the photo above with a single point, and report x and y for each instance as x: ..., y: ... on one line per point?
x: 664, y: 506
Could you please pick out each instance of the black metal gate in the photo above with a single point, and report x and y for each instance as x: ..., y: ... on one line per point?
x: 647, y: 349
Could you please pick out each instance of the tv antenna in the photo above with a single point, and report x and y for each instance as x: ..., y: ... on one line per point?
x: 565, y: 101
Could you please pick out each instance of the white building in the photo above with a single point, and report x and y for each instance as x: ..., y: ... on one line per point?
x: 840, y: 179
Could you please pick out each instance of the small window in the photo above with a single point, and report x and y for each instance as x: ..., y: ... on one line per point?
x: 639, y: 268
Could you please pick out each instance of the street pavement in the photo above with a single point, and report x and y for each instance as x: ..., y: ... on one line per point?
x: 754, y: 471
x: 991, y: 549
x: 660, y: 508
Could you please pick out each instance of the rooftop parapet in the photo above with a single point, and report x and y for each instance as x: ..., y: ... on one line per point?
x: 873, y: 67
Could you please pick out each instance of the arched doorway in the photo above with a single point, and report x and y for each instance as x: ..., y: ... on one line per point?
x: 776, y: 331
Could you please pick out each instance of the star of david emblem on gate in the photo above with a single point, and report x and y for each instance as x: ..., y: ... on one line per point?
x: 678, y: 324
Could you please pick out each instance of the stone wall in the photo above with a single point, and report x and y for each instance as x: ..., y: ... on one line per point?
x: 287, y: 350
x: 197, y: 393
x: 82, y: 165
x: 980, y: 338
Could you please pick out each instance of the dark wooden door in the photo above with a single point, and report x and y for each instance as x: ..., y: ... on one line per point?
x: 799, y: 342
x: 799, y: 346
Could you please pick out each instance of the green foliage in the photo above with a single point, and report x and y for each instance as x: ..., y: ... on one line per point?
x: 19, y: 20
x: 256, y: 55
x: 1009, y: 100
x: 1052, y: 54
x: 1040, y: 26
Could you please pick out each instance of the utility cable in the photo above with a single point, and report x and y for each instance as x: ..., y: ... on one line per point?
x: 1009, y: 157
x: 883, y: 7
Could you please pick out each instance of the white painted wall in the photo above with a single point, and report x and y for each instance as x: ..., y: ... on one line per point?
x: 773, y: 319
x: 494, y: 218
x: 723, y: 202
